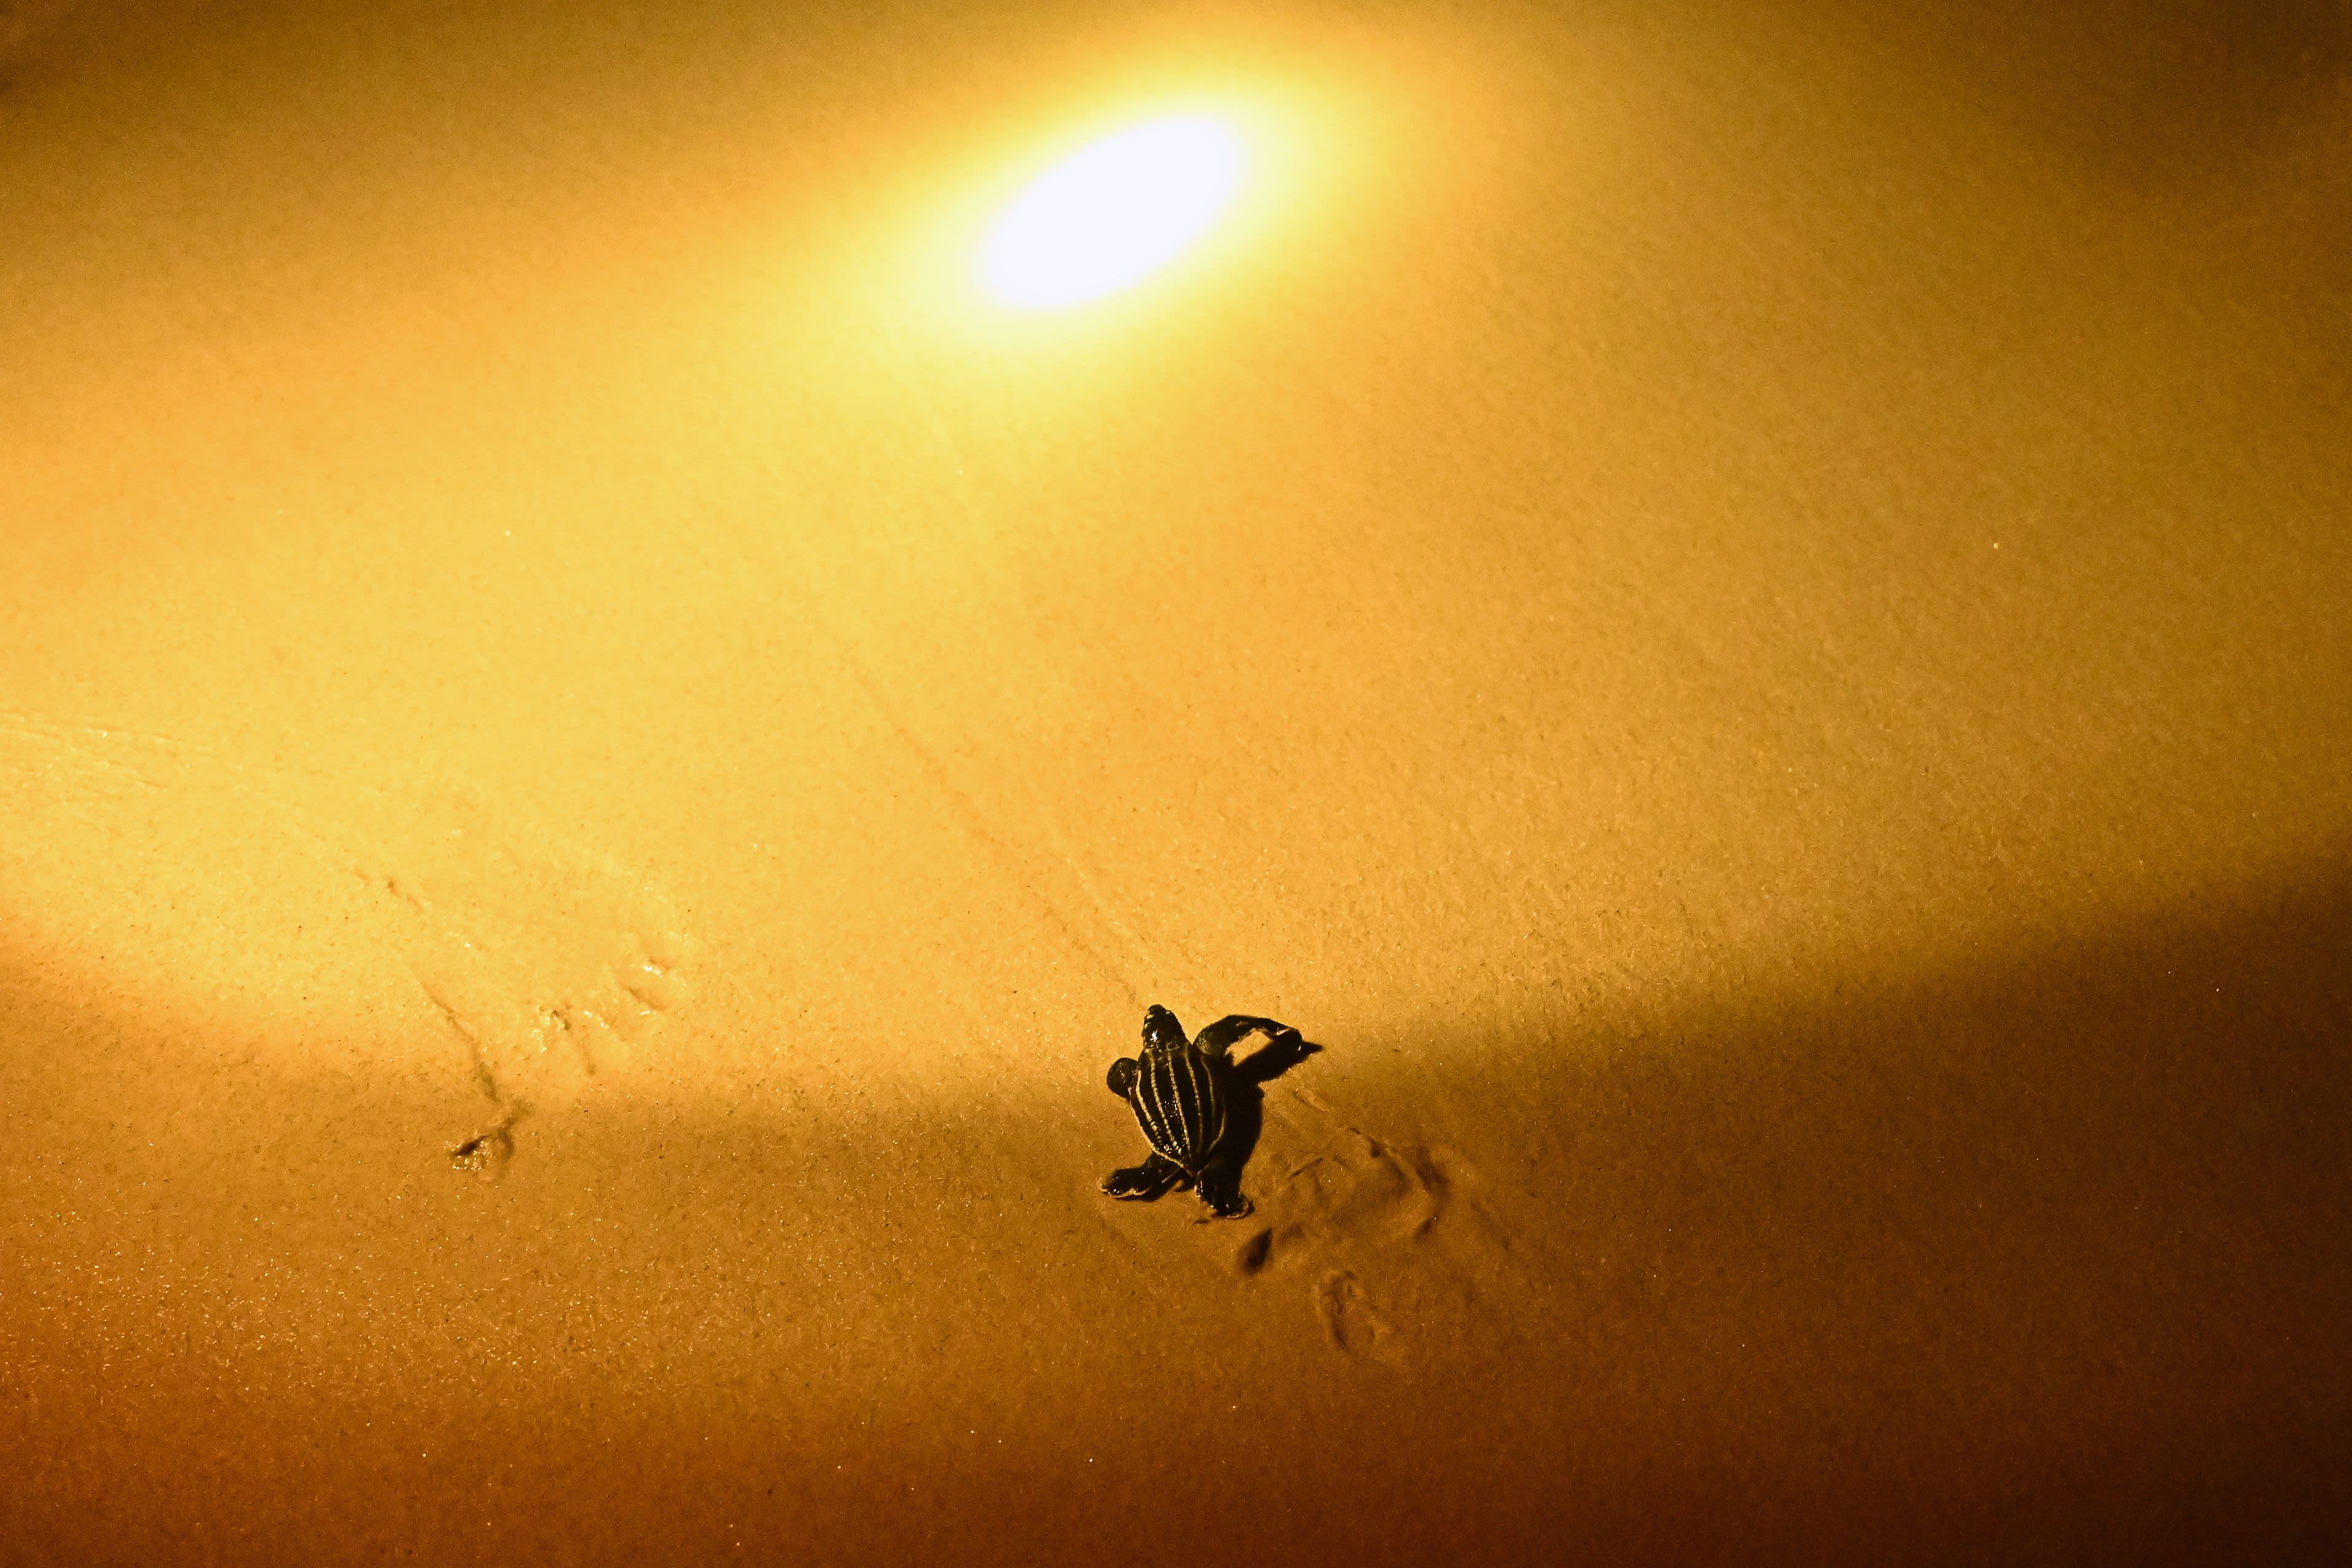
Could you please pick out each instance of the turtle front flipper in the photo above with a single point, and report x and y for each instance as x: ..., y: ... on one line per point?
x: 1145, y: 1182
x: 1221, y: 1188
x: 1226, y: 1033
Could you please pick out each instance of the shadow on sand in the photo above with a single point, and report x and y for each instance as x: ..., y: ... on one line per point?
x: 2040, y: 1257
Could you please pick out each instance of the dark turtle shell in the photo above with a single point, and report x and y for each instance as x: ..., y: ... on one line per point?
x: 1175, y: 1090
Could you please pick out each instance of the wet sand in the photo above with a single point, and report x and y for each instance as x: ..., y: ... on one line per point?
x: 1743, y: 622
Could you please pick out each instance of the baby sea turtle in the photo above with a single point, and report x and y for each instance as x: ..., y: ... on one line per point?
x: 1181, y: 1092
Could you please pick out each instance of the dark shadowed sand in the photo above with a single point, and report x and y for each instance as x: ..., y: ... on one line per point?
x: 1743, y: 619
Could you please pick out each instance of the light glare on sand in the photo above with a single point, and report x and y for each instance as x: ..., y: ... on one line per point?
x: 1111, y: 215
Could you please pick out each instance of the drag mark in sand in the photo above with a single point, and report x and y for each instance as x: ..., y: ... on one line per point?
x: 487, y: 1153
x: 1399, y: 1253
x: 1349, y: 1321
x: 550, y: 961
x: 968, y: 816
x: 69, y: 759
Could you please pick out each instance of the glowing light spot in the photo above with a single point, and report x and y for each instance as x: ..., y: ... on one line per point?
x: 1111, y: 215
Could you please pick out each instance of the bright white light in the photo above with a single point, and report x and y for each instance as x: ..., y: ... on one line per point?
x: 1107, y: 216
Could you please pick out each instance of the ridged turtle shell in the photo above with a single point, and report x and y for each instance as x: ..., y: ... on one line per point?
x: 1176, y: 1096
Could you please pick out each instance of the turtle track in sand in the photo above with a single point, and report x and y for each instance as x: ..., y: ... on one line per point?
x: 547, y: 962
x: 1399, y: 1252
x: 550, y: 963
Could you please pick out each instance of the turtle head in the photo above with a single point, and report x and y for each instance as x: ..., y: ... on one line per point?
x: 1122, y: 1075
x: 1161, y: 1032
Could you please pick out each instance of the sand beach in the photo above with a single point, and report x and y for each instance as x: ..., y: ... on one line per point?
x: 1738, y: 615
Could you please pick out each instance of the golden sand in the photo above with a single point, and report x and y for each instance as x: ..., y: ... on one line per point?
x: 1744, y: 620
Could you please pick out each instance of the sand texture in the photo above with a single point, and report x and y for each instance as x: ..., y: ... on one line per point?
x: 1743, y: 615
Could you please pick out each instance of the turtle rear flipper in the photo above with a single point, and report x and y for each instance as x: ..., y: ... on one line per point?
x: 1122, y: 1075
x: 1221, y: 1188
